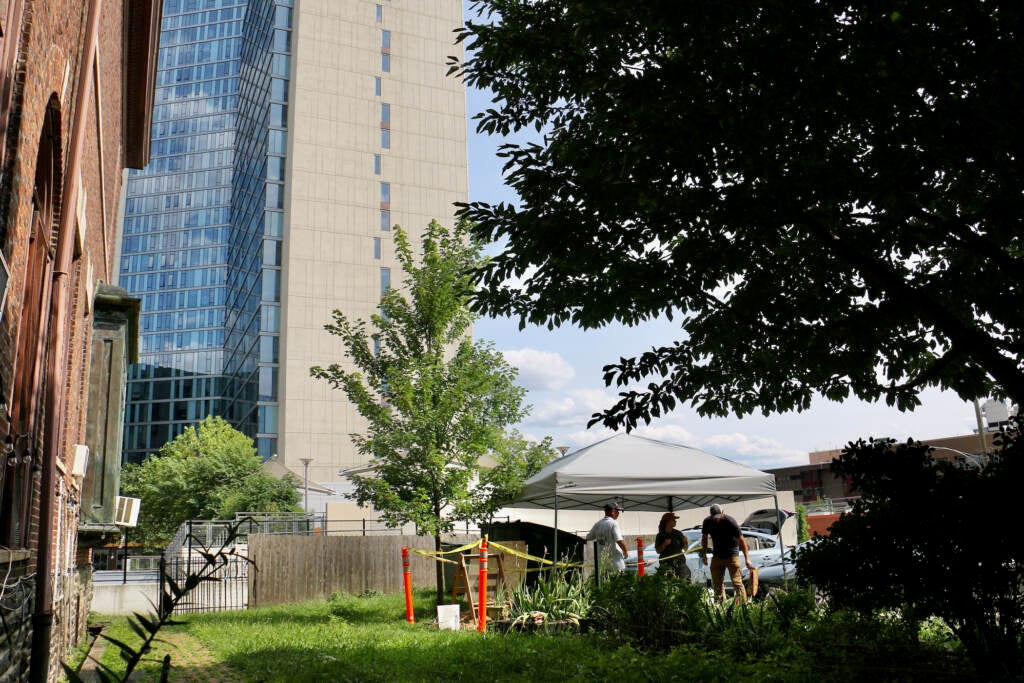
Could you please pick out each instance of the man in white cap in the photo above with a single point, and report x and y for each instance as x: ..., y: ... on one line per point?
x: 727, y: 544
x: 607, y: 534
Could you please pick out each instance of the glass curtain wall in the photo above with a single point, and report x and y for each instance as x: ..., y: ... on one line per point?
x: 254, y: 275
x: 193, y: 247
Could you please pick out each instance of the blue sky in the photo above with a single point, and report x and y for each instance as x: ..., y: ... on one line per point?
x: 561, y: 370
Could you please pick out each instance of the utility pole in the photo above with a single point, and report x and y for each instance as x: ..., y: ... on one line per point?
x: 981, y: 428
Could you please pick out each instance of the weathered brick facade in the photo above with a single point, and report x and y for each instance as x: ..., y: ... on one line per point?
x: 74, y: 75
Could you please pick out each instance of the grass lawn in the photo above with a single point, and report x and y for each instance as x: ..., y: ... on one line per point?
x: 367, y: 639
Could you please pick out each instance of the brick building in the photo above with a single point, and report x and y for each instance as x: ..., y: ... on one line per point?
x: 76, y: 85
x: 815, y: 486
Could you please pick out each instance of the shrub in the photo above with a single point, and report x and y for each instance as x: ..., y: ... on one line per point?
x: 927, y: 539
x: 794, y: 607
x: 652, y: 612
x: 558, y: 596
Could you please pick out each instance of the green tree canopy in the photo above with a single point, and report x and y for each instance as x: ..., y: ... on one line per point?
x: 435, y: 400
x: 210, y: 471
x: 516, y: 460
x: 828, y: 195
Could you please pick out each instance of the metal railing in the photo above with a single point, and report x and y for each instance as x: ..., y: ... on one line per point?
x: 209, y: 535
x: 828, y: 506
x: 143, y: 563
x: 228, y: 591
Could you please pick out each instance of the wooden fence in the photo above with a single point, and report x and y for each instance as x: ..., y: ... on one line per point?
x: 291, y: 569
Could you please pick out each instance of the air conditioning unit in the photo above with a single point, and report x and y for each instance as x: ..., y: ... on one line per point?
x: 81, y: 464
x: 127, y: 511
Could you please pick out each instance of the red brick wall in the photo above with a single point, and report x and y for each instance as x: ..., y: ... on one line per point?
x: 819, y: 524
x: 51, y: 50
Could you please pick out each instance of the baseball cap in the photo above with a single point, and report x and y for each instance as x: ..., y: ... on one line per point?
x: 669, y: 515
x: 612, y: 505
x: 716, y: 510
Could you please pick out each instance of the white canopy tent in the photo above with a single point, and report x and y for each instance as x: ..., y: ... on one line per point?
x: 642, y: 474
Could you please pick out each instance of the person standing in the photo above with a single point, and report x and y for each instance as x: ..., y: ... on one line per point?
x: 671, y: 544
x: 608, y: 534
x: 727, y: 543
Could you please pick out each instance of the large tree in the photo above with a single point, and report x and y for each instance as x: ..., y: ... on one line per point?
x: 829, y: 195
x: 210, y: 471
x: 435, y: 401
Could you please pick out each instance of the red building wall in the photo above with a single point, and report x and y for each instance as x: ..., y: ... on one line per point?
x: 63, y: 140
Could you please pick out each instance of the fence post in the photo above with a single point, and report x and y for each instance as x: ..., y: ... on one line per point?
x: 189, y: 558
x: 639, y: 557
x: 163, y: 582
x: 482, y: 621
x: 407, y: 581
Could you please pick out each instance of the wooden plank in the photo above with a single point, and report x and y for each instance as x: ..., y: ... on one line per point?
x: 299, y: 568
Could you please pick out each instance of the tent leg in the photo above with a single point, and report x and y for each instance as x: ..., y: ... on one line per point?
x: 554, y: 544
x: 782, y: 545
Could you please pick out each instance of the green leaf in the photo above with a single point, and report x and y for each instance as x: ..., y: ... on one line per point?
x: 124, y: 647
x: 147, y: 622
x: 71, y: 674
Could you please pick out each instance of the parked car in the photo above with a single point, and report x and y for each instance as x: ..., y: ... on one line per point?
x: 779, y: 572
x: 768, y: 520
x: 765, y: 550
x: 651, y: 555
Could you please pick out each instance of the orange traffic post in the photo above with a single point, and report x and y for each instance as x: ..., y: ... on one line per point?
x: 639, y: 557
x: 407, y: 579
x: 481, y: 623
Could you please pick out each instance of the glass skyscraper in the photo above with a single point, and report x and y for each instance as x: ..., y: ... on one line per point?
x: 203, y: 224
x: 288, y: 139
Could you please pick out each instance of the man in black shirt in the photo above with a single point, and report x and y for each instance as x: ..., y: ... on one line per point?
x: 727, y: 543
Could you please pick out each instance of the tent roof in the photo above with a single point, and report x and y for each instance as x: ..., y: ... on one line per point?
x: 642, y: 474
x: 278, y: 469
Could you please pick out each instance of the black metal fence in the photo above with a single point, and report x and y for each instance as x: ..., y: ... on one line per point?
x: 229, y: 589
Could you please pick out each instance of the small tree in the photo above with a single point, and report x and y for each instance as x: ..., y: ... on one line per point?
x: 516, y: 460
x: 210, y: 471
x: 803, y: 528
x: 930, y: 538
x: 435, y: 401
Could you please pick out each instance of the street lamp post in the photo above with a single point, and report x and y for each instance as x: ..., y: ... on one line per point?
x: 305, y: 483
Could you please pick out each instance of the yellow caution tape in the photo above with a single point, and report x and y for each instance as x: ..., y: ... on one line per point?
x: 532, y: 558
x: 472, y: 544
x: 436, y: 554
x: 425, y: 553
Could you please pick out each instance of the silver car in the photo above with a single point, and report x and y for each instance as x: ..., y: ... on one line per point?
x: 765, y: 551
x: 651, y: 555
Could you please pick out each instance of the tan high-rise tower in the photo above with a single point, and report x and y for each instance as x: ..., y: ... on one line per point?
x: 377, y: 134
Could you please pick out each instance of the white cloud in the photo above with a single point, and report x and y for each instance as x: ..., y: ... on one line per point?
x: 667, y: 431
x: 540, y: 370
x: 756, y: 451
x: 566, y: 412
